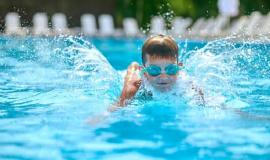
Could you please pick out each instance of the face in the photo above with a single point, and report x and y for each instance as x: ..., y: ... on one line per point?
x: 162, y: 82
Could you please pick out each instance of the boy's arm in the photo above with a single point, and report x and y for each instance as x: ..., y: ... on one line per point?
x: 131, y: 85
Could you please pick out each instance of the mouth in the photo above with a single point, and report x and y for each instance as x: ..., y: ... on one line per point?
x: 162, y: 84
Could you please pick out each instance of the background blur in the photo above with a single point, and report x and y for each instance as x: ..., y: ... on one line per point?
x: 142, y: 10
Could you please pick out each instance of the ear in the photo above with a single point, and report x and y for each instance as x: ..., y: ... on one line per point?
x: 145, y: 74
x: 140, y: 67
x: 180, y: 64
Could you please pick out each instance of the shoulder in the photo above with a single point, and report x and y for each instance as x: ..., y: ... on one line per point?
x: 184, y: 78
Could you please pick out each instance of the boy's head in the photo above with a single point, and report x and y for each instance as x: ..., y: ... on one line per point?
x: 160, y: 46
x: 160, y: 60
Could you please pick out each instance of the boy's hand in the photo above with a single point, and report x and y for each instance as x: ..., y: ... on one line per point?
x: 132, y: 83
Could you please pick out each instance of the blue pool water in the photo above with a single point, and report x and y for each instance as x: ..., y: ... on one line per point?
x: 51, y: 87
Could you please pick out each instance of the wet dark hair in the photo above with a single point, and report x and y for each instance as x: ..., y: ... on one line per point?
x: 160, y: 46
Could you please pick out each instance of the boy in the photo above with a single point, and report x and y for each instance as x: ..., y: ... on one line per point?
x: 160, y: 69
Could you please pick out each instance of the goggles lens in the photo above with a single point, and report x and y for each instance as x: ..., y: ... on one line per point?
x: 172, y: 69
x: 154, y: 70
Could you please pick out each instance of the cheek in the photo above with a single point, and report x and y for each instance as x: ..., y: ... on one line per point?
x: 151, y: 79
x: 173, y: 77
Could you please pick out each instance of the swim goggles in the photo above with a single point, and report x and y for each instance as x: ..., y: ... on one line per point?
x: 154, y: 70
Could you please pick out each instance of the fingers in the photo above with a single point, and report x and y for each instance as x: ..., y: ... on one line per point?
x: 133, y: 66
x: 138, y: 83
x: 133, y: 75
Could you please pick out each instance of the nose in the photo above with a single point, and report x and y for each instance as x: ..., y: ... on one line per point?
x: 163, y: 75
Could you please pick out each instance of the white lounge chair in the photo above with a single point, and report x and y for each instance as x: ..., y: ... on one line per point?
x: 214, y: 27
x: 206, y: 29
x: 228, y: 8
x: 238, y: 26
x: 254, y: 24
x: 157, y: 25
x: 221, y: 22
x: 197, y: 27
x: 40, y: 24
x: 59, y: 24
x: 106, y: 25
x: 88, y: 24
x: 13, y: 24
x: 266, y: 25
x: 131, y: 28
x: 180, y: 26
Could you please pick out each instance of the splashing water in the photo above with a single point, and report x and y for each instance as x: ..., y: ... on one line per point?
x: 54, y: 65
x: 49, y: 87
x: 222, y: 66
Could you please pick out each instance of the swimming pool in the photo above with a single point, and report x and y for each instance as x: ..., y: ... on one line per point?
x: 50, y: 87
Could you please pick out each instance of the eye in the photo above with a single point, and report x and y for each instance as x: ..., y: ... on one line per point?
x: 153, y: 70
x: 172, y: 69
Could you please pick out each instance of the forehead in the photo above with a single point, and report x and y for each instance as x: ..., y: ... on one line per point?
x: 152, y: 59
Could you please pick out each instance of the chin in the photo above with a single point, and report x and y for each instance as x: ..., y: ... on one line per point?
x: 163, y: 88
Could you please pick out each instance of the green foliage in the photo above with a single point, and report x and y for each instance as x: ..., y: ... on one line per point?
x: 248, y: 6
x: 143, y: 10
